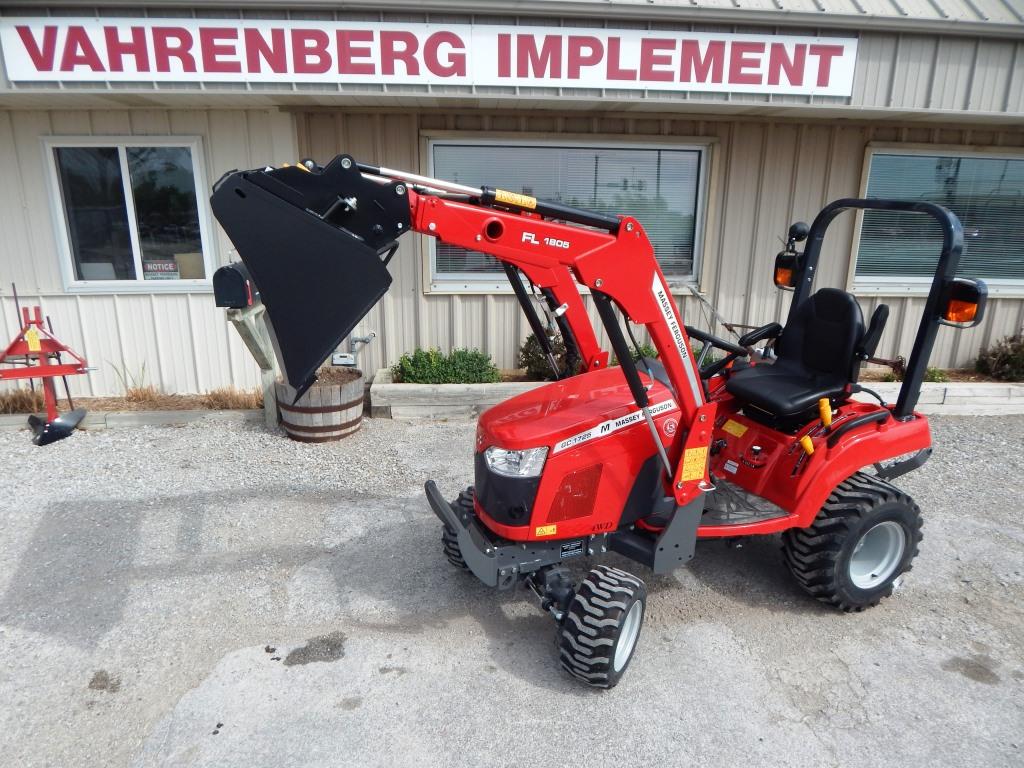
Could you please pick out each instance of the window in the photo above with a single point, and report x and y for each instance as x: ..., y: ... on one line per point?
x: 132, y: 213
x: 985, y: 191
x: 661, y: 187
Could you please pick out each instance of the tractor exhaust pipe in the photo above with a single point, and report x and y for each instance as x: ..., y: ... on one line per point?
x: 316, y: 242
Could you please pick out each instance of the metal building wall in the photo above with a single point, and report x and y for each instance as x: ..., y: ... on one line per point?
x: 182, y: 339
x: 764, y: 175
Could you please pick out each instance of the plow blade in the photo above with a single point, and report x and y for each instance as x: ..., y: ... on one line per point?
x: 316, y: 243
x: 46, y: 432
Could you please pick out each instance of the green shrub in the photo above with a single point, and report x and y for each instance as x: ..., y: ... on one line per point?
x: 432, y: 366
x: 933, y: 375
x: 532, y: 358
x: 1004, y: 360
x: 645, y: 350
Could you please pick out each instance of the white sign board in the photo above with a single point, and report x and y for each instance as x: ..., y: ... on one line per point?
x: 268, y: 51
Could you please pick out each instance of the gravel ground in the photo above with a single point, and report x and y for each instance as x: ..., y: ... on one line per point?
x: 220, y: 596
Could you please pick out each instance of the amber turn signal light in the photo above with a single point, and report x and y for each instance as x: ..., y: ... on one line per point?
x: 783, y: 277
x: 958, y: 311
x: 963, y: 304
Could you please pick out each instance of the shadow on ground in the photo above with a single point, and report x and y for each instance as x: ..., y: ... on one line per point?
x: 83, y: 563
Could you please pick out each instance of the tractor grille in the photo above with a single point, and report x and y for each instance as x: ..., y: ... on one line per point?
x: 576, y: 494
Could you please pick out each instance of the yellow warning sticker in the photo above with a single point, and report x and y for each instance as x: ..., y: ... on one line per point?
x: 514, y: 198
x: 734, y: 428
x: 694, y: 462
x: 545, y: 530
x: 32, y: 339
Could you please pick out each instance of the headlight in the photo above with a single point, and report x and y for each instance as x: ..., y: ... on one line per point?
x: 525, y: 463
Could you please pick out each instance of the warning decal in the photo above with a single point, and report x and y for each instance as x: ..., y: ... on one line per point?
x: 734, y: 428
x: 694, y: 462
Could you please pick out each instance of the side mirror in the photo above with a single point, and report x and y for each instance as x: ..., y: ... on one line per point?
x: 798, y: 232
x: 786, y: 269
x: 963, y: 303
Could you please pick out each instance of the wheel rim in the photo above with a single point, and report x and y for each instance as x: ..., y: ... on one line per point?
x: 627, y: 635
x: 877, y: 555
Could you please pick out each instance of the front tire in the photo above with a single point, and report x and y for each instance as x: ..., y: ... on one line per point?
x: 865, y: 536
x: 600, y: 630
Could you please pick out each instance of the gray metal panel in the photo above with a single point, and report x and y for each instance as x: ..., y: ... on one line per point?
x: 935, y: 73
x: 939, y: 16
x: 765, y: 175
x: 181, y: 340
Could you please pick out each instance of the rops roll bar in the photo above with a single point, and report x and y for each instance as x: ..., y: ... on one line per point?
x: 942, y: 283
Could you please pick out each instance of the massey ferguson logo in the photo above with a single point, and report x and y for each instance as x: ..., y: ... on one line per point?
x: 612, y: 425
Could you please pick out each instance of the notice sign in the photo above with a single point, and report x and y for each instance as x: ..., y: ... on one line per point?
x: 160, y: 269
x: 266, y: 51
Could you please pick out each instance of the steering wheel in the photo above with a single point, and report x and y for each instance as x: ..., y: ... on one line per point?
x: 734, y: 351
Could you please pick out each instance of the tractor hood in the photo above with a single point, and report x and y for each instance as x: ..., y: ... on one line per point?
x: 317, y: 243
x: 580, y: 408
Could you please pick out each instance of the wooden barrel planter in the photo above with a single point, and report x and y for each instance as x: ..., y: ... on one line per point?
x: 330, y: 410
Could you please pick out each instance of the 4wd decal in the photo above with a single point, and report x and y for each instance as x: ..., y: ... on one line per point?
x: 612, y: 425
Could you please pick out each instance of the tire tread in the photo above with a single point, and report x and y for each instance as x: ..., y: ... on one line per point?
x: 812, y: 553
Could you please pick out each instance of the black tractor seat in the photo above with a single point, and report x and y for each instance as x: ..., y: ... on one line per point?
x: 819, y: 353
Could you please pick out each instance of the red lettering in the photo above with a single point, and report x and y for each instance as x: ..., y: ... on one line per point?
x: 117, y: 49
x: 42, y: 57
x: 456, y: 60
x: 651, y: 58
x: 213, y: 49
x: 739, y: 63
x: 577, y: 59
x: 257, y: 51
x: 309, y: 49
x: 389, y: 52
x: 504, y: 55
x: 778, y: 60
x: 347, y: 52
x: 547, y: 62
x: 694, y: 68
x: 825, y: 54
x: 78, y: 49
x: 615, y: 71
x: 164, y: 51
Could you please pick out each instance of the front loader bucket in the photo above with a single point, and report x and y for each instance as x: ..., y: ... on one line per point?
x: 316, y: 243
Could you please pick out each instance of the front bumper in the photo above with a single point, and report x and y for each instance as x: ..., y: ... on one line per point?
x: 497, y: 563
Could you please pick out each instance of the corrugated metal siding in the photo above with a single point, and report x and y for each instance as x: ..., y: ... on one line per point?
x: 181, y: 339
x: 895, y: 71
x: 978, y: 14
x: 766, y: 175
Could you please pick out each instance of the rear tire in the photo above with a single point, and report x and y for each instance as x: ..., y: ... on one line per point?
x: 598, y: 636
x: 449, y: 541
x: 865, y: 536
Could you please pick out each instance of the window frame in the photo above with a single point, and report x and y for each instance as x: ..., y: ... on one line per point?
x: 878, y: 285
x: 60, y: 221
x: 474, y: 283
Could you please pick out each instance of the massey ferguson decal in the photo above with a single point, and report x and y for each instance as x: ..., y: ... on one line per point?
x: 675, y: 328
x: 612, y: 425
x: 249, y: 50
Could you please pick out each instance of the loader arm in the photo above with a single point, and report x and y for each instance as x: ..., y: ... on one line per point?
x: 308, y: 232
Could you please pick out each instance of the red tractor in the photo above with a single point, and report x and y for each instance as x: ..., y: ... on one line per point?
x: 643, y: 458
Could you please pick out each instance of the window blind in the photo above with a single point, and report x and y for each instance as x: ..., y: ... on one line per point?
x: 986, y: 193
x: 659, y: 187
